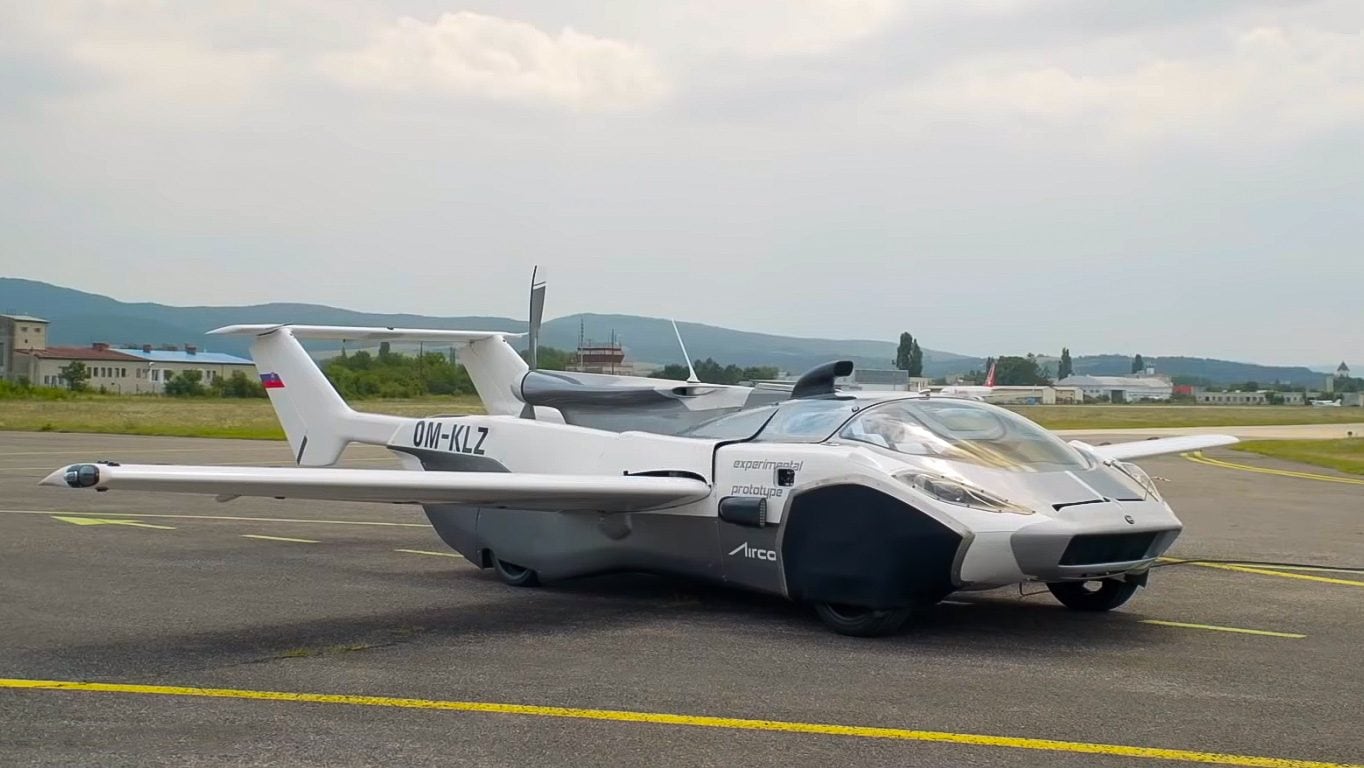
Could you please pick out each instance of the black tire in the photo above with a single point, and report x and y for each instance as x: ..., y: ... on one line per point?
x: 861, y: 622
x: 1080, y: 596
x: 515, y: 575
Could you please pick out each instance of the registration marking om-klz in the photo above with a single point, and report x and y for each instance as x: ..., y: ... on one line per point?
x: 454, y: 438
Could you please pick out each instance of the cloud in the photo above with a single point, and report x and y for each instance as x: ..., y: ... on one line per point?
x: 500, y: 59
x: 775, y: 28
x: 1261, y: 84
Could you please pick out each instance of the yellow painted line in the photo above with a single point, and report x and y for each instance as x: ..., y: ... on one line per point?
x: 1266, y: 572
x: 693, y: 721
x: 1198, y: 458
x: 225, y: 517
x: 277, y: 538
x: 107, y: 521
x: 428, y: 552
x: 1314, y: 568
x: 1215, y: 628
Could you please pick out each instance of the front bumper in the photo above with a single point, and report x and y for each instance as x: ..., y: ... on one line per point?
x: 1095, y: 541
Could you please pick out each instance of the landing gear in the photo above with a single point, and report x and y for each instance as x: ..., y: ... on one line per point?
x: 855, y: 621
x: 515, y: 575
x: 1104, y: 595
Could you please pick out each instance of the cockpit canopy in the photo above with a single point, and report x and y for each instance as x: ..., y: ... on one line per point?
x: 963, y: 430
x: 942, y: 428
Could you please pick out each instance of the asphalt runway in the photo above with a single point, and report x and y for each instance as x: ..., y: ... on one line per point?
x: 140, y: 629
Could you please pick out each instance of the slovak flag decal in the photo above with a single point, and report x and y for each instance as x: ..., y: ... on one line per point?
x: 271, y: 381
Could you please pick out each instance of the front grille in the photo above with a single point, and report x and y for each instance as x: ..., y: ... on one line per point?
x: 1093, y: 548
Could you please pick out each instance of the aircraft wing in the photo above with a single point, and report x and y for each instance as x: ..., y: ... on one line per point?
x: 1139, y: 448
x: 605, y: 493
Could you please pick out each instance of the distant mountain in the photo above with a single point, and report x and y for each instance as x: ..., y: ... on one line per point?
x: 1216, y: 371
x: 80, y: 318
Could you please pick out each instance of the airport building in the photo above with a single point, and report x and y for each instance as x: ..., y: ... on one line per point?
x: 1121, y: 389
x: 1261, y: 397
x: 19, y: 332
x: 26, y: 356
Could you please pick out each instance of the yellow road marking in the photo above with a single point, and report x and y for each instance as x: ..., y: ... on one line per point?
x: 107, y: 521
x: 277, y: 538
x: 1266, y: 572
x: 226, y: 517
x: 694, y: 721
x: 427, y: 552
x: 1215, y: 628
x: 1198, y: 458
x: 1317, y: 568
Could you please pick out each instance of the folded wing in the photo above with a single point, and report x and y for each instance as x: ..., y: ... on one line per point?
x: 1137, y: 449
x: 605, y: 493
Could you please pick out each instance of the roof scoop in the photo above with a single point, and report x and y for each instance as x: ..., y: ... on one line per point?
x: 819, y: 381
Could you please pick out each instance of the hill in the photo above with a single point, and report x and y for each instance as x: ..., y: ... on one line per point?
x: 79, y: 318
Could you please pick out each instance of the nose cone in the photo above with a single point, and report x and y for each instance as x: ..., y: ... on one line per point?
x: 73, y: 476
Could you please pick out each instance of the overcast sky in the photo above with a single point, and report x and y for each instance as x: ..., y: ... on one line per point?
x: 1181, y: 177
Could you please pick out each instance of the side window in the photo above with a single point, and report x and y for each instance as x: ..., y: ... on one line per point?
x: 806, y: 422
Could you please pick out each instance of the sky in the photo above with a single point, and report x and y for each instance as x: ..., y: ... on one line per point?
x: 1171, y: 178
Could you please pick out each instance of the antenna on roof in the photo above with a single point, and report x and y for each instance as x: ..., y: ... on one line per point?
x: 692, y: 378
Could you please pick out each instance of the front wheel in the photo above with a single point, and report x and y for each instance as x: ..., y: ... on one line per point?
x: 1104, y: 595
x: 515, y: 575
x: 861, y: 622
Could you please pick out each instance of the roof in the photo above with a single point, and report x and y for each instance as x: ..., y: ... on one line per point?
x: 180, y: 356
x: 76, y: 353
x: 1343, y: 368
x: 25, y: 318
x: 1114, y: 382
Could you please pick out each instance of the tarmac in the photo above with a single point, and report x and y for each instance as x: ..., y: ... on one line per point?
x: 142, y: 629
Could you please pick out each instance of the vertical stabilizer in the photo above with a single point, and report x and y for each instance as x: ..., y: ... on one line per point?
x: 990, y: 377
x: 317, y: 422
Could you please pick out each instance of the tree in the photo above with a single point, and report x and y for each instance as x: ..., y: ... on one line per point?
x: 916, y: 359
x: 1065, y: 367
x: 187, y: 383
x: 76, y: 375
x: 1019, y: 372
x: 1138, y: 364
x: 904, y: 352
x: 236, y: 385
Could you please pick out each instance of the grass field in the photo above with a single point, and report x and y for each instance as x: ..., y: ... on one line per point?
x: 1346, y: 455
x: 210, y: 417
x: 1146, y: 416
x: 190, y: 417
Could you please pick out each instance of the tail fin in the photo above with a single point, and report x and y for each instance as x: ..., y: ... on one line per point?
x: 494, y: 366
x: 316, y: 420
x: 990, y: 377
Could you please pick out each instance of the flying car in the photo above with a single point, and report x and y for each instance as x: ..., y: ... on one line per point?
x: 866, y: 506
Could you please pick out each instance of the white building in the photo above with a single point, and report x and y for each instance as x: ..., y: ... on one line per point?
x: 1121, y: 389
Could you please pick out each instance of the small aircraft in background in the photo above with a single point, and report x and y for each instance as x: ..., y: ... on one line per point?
x: 972, y: 391
x: 864, y: 505
x: 1325, y: 403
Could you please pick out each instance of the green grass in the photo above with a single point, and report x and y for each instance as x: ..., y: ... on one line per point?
x: 214, y: 417
x: 1147, y: 416
x: 1344, y: 455
x: 197, y: 417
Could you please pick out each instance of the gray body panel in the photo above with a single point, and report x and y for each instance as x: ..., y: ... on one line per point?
x: 561, y: 545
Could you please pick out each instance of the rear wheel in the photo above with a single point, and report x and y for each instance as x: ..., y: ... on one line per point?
x: 515, y: 575
x: 856, y: 621
x: 1104, y: 595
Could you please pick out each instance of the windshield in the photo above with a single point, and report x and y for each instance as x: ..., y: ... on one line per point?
x: 807, y: 421
x: 961, y: 430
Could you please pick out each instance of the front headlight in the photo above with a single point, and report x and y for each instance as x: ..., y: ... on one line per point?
x: 1139, y: 475
x: 961, y: 494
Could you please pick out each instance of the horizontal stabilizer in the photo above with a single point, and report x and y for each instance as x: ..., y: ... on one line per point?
x: 364, y: 333
x: 603, y: 493
x: 1137, y: 449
